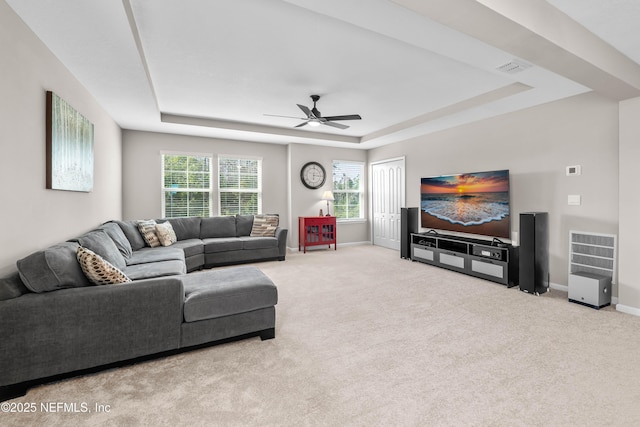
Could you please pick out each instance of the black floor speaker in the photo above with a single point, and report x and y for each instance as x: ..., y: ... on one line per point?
x: 534, y: 252
x: 408, y: 225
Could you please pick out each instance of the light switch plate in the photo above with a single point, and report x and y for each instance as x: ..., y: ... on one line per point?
x: 574, y: 200
x: 574, y: 170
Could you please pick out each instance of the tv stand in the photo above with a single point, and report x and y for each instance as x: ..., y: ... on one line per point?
x: 488, y: 260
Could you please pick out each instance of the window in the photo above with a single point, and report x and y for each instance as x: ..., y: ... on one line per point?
x: 348, y: 189
x: 240, y: 185
x: 186, y: 187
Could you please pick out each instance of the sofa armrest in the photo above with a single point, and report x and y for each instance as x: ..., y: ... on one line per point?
x: 71, y: 329
x: 281, y: 235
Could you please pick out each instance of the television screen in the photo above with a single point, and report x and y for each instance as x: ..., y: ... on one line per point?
x: 476, y: 203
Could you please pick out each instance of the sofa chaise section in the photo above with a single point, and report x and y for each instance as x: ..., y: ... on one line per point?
x: 229, y: 302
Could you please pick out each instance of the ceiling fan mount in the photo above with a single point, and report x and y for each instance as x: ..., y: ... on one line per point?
x: 315, y: 118
x: 314, y: 110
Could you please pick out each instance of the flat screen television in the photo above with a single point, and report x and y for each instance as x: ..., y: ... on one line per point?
x: 475, y: 203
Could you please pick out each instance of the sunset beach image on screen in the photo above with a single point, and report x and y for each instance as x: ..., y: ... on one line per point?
x: 476, y: 203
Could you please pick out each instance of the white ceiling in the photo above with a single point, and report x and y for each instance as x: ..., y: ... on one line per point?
x: 408, y: 67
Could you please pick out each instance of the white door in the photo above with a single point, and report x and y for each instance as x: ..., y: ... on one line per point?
x: 387, y: 195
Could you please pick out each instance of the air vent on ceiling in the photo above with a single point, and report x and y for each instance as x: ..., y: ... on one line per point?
x: 514, y: 66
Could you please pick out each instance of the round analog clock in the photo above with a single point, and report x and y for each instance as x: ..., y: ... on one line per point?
x: 313, y: 175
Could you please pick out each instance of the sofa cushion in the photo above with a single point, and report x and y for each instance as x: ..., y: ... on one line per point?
x: 186, y: 228
x: 130, y: 229
x: 147, y: 228
x: 165, y: 234
x: 264, y: 225
x: 258, y: 242
x: 155, y: 255
x: 155, y: 269
x: 190, y: 247
x: 53, y: 268
x: 222, y: 244
x: 12, y: 287
x: 243, y: 225
x: 119, y: 238
x: 98, y: 241
x: 217, y: 293
x: 218, y: 226
x: 98, y: 270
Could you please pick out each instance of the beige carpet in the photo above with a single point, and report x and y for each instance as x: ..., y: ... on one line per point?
x: 365, y: 338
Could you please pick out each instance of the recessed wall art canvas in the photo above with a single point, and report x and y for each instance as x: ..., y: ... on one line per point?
x: 69, y: 147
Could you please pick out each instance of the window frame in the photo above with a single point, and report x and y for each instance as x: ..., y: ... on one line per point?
x: 360, y: 191
x: 257, y: 190
x: 164, y: 190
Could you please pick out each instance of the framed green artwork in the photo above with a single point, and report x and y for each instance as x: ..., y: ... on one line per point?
x: 69, y: 147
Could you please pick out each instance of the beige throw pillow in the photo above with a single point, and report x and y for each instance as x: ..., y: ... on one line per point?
x: 166, y: 234
x: 264, y: 225
x: 148, y: 230
x: 98, y: 270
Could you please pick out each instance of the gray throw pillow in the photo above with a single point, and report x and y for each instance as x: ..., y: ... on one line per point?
x: 130, y: 229
x: 53, y: 268
x: 100, y: 242
x: 117, y: 235
x: 12, y: 287
x: 244, y: 224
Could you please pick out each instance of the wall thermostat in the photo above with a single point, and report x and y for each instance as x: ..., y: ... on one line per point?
x: 574, y: 170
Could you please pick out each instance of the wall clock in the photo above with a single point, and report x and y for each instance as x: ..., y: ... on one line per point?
x: 313, y: 175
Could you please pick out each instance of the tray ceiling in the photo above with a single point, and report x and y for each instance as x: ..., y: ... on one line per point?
x: 408, y: 67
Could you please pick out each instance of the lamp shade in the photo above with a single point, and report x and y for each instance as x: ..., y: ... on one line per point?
x: 327, y: 195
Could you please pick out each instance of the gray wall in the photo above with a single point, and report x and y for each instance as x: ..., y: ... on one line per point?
x: 306, y: 202
x: 629, y: 250
x: 283, y: 193
x: 33, y: 217
x: 535, y: 145
x: 142, y: 170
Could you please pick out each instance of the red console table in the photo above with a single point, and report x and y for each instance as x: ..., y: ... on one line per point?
x: 315, y: 231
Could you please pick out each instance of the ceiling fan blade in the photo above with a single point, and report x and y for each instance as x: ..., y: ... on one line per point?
x: 335, y: 125
x: 302, y: 124
x: 306, y: 111
x: 347, y: 117
x: 287, y: 117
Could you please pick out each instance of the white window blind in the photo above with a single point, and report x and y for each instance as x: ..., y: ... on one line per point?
x: 240, y: 185
x: 348, y: 189
x: 186, y: 189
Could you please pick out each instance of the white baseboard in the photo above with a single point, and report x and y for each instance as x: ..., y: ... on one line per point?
x: 310, y: 248
x: 355, y: 243
x: 629, y: 310
x: 557, y: 287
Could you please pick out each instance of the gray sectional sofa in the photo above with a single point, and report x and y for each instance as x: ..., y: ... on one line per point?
x: 54, y: 322
x: 209, y: 242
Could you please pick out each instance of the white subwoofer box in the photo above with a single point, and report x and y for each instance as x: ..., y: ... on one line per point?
x: 590, y: 289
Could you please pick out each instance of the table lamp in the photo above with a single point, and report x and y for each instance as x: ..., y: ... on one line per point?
x: 328, y: 195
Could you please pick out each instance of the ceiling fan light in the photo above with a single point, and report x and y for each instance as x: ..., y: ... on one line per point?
x: 313, y: 123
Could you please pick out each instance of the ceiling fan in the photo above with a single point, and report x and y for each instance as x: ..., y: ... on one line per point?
x: 314, y: 118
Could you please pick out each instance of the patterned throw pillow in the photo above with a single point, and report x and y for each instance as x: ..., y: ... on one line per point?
x: 148, y: 230
x: 264, y: 225
x: 165, y: 234
x: 98, y: 270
